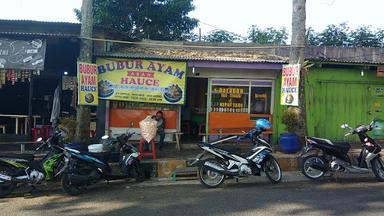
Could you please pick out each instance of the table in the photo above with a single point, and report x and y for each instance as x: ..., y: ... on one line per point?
x: 22, y: 144
x: 17, y: 117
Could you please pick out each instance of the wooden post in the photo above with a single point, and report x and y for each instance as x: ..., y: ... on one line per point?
x: 30, y: 110
x: 16, y: 125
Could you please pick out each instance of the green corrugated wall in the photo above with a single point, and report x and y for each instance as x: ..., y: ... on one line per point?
x: 335, y: 96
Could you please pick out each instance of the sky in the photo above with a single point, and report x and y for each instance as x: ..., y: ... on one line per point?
x: 231, y: 15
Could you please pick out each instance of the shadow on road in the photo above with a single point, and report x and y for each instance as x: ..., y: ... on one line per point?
x: 352, y: 196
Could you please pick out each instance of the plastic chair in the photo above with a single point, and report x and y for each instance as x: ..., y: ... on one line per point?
x: 151, y: 153
x: 47, y: 131
x: 36, y: 133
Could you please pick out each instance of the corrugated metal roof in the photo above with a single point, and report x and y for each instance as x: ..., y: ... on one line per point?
x: 194, y: 54
x: 232, y: 52
x: 48, y: 28
x: 39, y: 34
x: 37, y: 21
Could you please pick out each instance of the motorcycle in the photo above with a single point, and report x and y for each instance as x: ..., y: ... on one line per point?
x: 320, y: 156
x: 21, y: 169
x: 87, y: 168
x: 229, y: 163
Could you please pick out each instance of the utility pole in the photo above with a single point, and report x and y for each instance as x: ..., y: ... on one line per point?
x: 296, y: 56
x: 86, y: 49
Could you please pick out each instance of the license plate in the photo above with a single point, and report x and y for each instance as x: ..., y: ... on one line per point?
x: 5, y: 177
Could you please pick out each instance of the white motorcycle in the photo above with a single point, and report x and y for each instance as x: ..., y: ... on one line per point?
x: 230, y: 163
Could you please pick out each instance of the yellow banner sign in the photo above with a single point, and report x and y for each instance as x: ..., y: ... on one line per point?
x: 87, y: 84
x: 142, y: 80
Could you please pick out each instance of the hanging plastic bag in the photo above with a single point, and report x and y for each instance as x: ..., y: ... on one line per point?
x: 148, y: 128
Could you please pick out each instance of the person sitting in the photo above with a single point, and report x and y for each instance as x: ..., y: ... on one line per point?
x: 159, y: 117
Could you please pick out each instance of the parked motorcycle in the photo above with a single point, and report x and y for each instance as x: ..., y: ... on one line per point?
x: 230, y: 163
x: 87, y: 168
x: 20, y: 169
x: 320, y: 156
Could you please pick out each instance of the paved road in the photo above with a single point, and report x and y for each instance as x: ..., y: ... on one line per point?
x: 343, y: 197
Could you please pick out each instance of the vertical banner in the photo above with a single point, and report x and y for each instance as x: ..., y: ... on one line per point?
x: 87, y: 84
x: 290, y: 80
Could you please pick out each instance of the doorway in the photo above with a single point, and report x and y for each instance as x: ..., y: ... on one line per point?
x: 194, y: 112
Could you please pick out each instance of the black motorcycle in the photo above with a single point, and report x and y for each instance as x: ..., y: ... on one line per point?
x: 322, y: 155
x: 21, y: 169
x: 87, y: 168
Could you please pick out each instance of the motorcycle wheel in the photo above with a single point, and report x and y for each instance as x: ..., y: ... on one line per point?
x: 272, y: 170
x: 310, y: 172
x: 378, y: 168
x: 69, y: 187
x: 137, y: 172
x: 208, y: 178
x: 6, y: 187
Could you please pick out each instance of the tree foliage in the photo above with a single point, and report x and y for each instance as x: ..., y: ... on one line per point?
x: 312, y: 37
x: 150, y: 19
x: 334, y: 35
x: 267, y: 36
x: 221, y: 36
x: 364, y: 37
x: 342, y: 35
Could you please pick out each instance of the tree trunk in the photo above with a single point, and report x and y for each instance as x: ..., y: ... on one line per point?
x: 86, y: 49
x: 296, y: 56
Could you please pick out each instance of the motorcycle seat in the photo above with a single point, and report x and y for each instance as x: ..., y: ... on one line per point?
x: 28, y: 157
x: 103, y: 156
x: 343, y: 146
x: 231, y: 149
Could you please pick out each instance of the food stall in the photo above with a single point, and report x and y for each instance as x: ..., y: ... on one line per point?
x: 136, y: 88
x: 223, y: 90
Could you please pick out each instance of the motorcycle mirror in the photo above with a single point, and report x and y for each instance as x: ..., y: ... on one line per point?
x: 344, y: 126
x: 39, y: 139
x: 105, y: 137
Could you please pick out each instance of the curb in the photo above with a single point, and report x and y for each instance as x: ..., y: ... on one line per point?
x: 288, y: 177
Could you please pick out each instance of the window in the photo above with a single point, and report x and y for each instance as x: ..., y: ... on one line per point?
x: 242, y: 96
x: 261, y: 100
